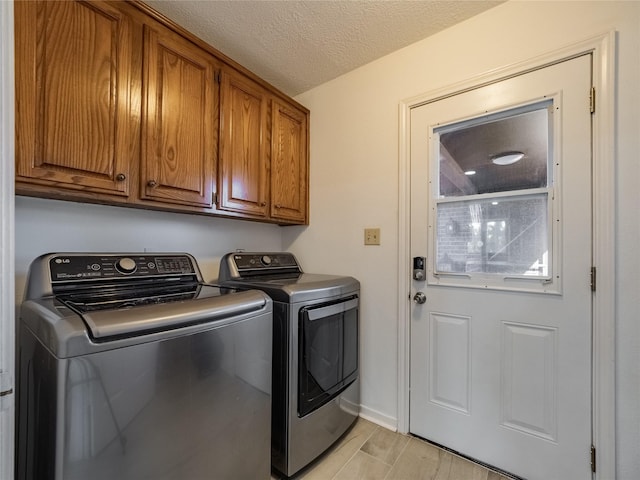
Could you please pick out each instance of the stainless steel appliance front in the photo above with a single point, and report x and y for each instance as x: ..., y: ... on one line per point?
x: 130, y: 367
x: 316, y: 392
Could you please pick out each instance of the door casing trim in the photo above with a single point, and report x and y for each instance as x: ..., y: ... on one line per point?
x: 602, y: 48
x: 7, y: 247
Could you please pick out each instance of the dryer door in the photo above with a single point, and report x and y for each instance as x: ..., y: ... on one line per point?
x: 328, y: 352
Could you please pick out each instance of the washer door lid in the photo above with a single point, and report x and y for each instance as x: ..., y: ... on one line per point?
x: 106, y: 324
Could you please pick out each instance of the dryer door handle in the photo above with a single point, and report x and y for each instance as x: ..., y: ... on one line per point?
x: 334, y: 309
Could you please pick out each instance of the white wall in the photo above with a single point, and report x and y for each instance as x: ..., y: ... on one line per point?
x: 354, y: 176
x: 43, y: 226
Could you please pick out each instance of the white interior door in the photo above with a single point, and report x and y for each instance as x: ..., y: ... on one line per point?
x: 501, y: 347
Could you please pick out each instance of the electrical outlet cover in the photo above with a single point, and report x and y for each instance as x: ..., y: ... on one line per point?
x: 372, y: 236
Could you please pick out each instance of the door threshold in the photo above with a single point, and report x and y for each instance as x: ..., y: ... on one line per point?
x: 497, y: 470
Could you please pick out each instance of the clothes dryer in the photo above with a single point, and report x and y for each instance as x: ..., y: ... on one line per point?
x: 316, y: 394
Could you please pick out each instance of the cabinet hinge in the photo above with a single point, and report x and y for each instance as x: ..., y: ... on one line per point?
x: 593, y: 279
x: 215, y: 198
x: 592, y: 100
x: 593, y: 459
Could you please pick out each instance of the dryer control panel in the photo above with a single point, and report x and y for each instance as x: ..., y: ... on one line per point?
x: 238, y: 265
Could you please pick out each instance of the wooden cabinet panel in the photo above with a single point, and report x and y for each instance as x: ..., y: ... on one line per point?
x: 289, y: 160
x: 116, y: 104
x: 179, y: 120
x: 73, y: 80
x: 244, y: 164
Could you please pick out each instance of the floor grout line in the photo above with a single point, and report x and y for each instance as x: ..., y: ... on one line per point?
x: 375, y: 458
x: 406, y: 445
x: 355, y: 453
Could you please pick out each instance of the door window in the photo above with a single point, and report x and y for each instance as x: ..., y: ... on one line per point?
x: 493, y: 197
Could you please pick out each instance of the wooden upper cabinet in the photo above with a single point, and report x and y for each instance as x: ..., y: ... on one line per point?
x: 179, y: 124
x: 289, y: 162
x: 116, y: 104
x: 74, y: 68
x: 244, y: 162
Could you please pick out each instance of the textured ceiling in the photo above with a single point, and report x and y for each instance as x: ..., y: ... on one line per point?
x: 297, y: 45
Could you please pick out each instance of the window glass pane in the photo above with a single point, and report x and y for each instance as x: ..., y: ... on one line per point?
x: 504, y: 235
x: 496, y: 153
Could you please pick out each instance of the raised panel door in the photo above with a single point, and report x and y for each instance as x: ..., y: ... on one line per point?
x: 73, y: 80
x: 501, y: 209
x: 289, y: 161
x: 244, y: 162
x: 179, y: 120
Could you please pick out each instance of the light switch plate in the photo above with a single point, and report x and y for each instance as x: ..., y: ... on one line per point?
x: 372, y: 236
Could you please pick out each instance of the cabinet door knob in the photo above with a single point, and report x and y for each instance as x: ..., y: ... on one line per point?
x: 263, y: 204
x: 152, y: 184
x: 121, y: 177
x: 278, y: 205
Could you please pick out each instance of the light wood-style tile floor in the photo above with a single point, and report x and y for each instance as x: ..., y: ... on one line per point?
x: 371, y: 452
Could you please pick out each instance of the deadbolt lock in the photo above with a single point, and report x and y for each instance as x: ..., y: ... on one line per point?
x: 418, y: 268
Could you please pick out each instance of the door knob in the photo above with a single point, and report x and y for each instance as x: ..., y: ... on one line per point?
x: 419, y: 298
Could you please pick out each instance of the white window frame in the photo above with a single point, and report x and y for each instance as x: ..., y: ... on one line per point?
x: 550, y: 284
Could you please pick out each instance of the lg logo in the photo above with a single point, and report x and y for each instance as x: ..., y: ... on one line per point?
x: 63, y: 260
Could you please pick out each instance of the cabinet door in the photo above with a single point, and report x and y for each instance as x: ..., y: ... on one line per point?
x: 243, y: 153
x: 179, y: 120
x: 289, y: 163
x: 73, y: 107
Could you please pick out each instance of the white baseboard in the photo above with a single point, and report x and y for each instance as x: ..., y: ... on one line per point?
x: 390, y: 423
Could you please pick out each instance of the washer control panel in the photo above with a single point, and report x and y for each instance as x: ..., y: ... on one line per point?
x: 94, y: 267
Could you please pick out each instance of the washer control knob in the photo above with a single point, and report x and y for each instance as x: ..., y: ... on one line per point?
x: 266, y: 260
x: 126, y: 265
